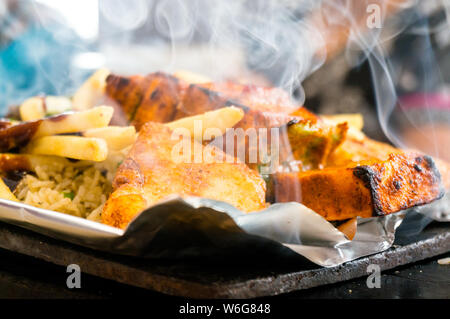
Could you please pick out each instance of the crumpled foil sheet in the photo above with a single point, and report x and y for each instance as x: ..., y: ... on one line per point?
x: 198, y: 227
x: 438, y: 210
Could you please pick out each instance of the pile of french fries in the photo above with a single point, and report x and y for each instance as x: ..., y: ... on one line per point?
x: 91, y: 139
x: 95, y: 137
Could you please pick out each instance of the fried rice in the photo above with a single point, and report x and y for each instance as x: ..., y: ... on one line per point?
x: 76, y: 188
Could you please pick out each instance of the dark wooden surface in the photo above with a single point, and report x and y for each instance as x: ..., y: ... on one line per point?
x: 28, y: 277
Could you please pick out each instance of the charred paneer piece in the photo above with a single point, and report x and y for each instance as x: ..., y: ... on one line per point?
x: 154, y: 97
x: 154, y: 169
x: 369, y: 189
x: 358, y: 147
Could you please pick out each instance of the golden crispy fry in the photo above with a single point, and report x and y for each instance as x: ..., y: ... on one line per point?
x: 91, y: 91
x: 5, y: 192
x: 117, y: 137
x: 76, y: 147
x: 220, y: 119
x: 32, y: 109
x: 57, y: 104
x: 38, y: 107
x: 18, y: 135
x: 75, y: 122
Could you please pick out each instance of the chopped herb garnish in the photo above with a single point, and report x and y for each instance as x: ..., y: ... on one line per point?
x: 70, y: 195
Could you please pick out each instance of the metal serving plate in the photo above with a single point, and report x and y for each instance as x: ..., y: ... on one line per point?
x: 196, y: 227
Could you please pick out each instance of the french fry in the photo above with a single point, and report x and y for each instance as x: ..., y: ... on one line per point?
x: 75, y: 122
x: 91, y: 91
x: 32, y: 109
x: 38, y: 107
x: 221, y: 119
x: 354, y: 120
x: 57, y: 104
x: 76, y: 147
x: 5, y: 192
x: 191, y: 77
x: 117, y: 137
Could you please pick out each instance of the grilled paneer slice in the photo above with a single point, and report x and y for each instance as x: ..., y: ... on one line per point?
x: 370, y: 189
x: 156, y: 167
x: 357, y: 147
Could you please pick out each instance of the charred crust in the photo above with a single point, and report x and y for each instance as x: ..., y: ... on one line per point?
x: 155, y: 94
x: 245, y: 108
x: 57, y: 118
x: 293, y: 121
x: 110, y: 77
x: 429, y: 161
x: 433, y: 168
x: 213, y: 95
x: 272, y: 185
x: 209, y: 93
x: 135, y: 108
x: 172, y: 80
x: 129, y: 165
x: 370, y: 179
x: 18, y: 135
x: 120, y: 81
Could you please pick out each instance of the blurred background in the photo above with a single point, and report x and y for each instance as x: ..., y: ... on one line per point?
x: 389, y: 62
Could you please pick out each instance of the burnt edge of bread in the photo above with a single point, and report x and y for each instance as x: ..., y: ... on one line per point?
x: 437, y: 178
x: 371, y: 178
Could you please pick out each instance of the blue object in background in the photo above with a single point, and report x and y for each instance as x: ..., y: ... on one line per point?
x: 38, y: 62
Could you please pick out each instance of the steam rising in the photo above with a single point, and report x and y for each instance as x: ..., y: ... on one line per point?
x: 283, y: 41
